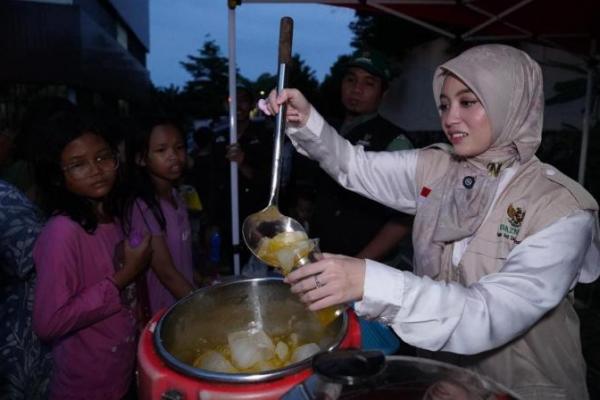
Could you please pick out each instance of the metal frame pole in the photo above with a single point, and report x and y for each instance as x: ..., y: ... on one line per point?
x: 585, y: 128
x: 235, y: 220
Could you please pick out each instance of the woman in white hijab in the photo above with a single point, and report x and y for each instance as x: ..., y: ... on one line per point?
x: 501, y: 239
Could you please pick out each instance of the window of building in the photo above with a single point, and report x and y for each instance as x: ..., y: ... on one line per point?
x: 51, y: 1
x: 122, y: 35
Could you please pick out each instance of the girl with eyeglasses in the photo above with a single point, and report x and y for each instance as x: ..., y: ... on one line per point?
x: 78, y: 306
x: 155, y: 158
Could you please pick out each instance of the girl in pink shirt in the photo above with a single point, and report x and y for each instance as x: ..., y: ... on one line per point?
x: 156, y: 157
x: 78, y: 306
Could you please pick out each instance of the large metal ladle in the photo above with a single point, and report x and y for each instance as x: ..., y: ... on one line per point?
x: 269, y: 222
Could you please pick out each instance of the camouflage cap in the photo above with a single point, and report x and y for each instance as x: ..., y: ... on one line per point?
x: 371, y: 61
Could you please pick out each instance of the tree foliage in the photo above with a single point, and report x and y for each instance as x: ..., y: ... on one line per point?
x: 264, y: 83
x: 303, y: 78
x: 206, y: 91
x: 331, y: 104
x: 300, y: 76
x: 387, y: 33
x: 204, y: 95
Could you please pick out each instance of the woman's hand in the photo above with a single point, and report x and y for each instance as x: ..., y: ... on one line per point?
x: 298, y: 108
x: 135, y: 260
x: 336, y: 279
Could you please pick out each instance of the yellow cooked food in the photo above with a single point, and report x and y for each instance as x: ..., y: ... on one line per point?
x: 254, y: 351
x: 284, y: 250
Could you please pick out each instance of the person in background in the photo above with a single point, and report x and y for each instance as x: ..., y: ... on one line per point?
x: 13, y: 169
x: 78, y: 307
x: 16, y: 139
x: 25, y: 364
x: 253, y: 154
x: 155, y: 161
x: 369, y: 229
x: 197, y: 191
x: 500, y: 238
x: 7, y: 135
x: 304, y: 206
x: 199, y: 173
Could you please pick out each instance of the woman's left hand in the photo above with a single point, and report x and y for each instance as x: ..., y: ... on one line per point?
x: 336, y: 279
x: 298, y: 108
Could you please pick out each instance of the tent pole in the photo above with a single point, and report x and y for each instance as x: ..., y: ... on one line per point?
x: 235, y: 221
x: 496, y: 18
x: 585, y: 129
x: 491, y: 15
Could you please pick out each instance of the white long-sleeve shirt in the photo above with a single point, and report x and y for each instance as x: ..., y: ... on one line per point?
x: 435, y: 315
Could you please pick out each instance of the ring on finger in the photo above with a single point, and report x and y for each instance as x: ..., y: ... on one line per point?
x: 318, y: 283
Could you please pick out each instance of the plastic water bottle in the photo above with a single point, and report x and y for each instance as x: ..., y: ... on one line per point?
x: 214, y: 251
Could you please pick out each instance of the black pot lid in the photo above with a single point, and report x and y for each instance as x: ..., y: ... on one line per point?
x: 356, y: 374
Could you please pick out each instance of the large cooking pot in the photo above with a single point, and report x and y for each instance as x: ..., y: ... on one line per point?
x: 204, y: 319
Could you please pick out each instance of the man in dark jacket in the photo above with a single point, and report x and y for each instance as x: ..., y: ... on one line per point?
x: 345, y: 222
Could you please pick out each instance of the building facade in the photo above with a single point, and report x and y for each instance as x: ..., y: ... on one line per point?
x: 90, y: 51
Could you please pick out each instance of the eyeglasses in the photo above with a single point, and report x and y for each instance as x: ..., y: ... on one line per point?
x: 85, y: 168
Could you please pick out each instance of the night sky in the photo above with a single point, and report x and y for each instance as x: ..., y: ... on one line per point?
x: 180, y: 27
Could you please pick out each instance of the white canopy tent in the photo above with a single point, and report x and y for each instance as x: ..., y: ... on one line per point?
x: 569, y: 26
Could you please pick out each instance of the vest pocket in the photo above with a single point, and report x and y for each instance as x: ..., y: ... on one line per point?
x: 541, y: 392
x: 496, y: 249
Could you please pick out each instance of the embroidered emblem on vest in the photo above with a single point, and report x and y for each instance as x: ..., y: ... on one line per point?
x: 425, y: 191
x: 515, y: 215
x: 494, y: 168
x: 511, y: 229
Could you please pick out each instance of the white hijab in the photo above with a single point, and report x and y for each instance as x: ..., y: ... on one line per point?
x: 509, y: 85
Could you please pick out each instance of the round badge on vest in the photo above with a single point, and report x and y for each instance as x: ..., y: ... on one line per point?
x: 468, y: 181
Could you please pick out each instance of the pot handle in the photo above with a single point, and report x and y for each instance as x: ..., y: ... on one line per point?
x: 349, y: 367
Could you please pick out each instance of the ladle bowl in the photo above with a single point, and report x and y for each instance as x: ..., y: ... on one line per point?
x: 267, y: 223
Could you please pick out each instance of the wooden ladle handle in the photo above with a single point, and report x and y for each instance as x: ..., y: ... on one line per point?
x: 286, y: 29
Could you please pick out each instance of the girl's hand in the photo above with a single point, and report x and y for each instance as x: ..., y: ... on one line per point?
x: 136, y: 260
x: 298, y: 108
x: 336, y: 279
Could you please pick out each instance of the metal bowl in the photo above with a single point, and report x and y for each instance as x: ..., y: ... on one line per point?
x: 205, y: 318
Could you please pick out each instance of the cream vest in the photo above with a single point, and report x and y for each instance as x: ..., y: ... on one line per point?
x: 546, y: 361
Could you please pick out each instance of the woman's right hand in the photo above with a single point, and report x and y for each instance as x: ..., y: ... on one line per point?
x: 333, y: 280
x: 298, y: 108
x: 136, y: 260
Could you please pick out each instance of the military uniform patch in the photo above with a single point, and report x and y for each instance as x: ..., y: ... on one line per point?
x: 511, y: 229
